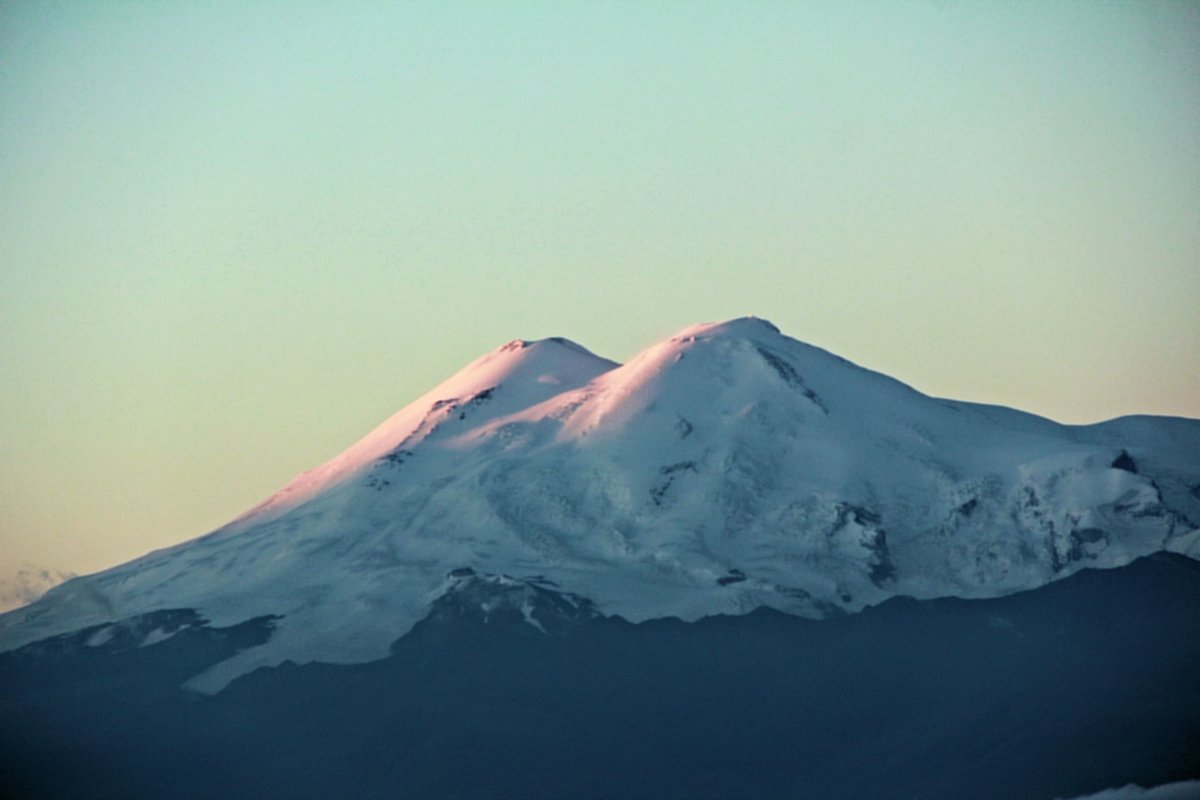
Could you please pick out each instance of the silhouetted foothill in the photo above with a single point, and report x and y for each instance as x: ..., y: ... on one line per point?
x: 511, y: 688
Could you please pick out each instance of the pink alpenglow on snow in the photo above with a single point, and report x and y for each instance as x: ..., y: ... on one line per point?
x: 725, y: 468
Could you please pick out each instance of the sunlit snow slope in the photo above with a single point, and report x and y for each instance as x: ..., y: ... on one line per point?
x: 725, y: 468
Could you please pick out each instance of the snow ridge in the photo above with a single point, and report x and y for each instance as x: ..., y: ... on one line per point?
x: 725, y: 468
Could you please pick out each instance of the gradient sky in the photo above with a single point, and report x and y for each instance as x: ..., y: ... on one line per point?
x: 235, y: 236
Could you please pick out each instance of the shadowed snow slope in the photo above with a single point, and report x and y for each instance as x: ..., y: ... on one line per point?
x: 726, y: 468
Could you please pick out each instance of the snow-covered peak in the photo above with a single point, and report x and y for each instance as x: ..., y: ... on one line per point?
x: 719, y: 368
x: 724, y: 468
x: 749, y: 327
x: 512, y: 377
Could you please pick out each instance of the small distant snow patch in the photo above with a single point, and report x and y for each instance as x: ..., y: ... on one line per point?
x: 101, y: 637
x: 527, y: 613
x: 160, y: 635
x: 1184, y: 790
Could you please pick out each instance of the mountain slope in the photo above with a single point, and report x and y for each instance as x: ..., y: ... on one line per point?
x: 726, y: 468
x: 510, y: 688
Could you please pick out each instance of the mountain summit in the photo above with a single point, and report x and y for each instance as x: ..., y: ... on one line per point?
x: 726, y: 468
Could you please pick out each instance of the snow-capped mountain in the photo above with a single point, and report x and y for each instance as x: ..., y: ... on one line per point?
x: 726, y: 468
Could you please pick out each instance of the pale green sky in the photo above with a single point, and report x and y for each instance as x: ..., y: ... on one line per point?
x: 235, y: 236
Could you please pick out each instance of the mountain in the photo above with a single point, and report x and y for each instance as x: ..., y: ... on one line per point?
x: 725, y: 469
x: 737, y: 565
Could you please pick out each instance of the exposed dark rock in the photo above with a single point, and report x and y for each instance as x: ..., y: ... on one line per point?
x: 396, y: 457
x: 1081, y: 538
x: 1125, y: 461
x: 526, y: 605
x: 789, y: 375
x: 883, y: 569
x: 733, y: 576
x: 873, y: 539
x: 659, y: 492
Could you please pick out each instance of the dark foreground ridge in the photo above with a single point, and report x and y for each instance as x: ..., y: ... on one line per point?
x: 510, y: 688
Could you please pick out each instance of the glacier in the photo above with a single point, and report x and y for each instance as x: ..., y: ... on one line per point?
x: 727, y: 468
